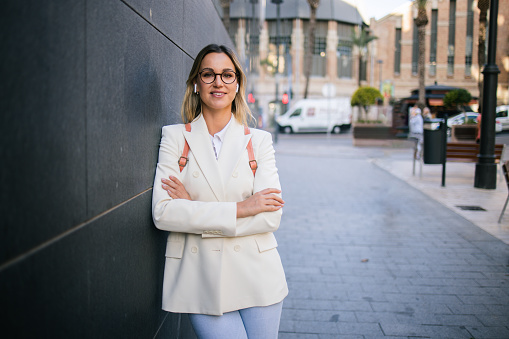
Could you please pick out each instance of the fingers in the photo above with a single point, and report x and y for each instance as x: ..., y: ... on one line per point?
x: 175, y: 188
x: 271, y: 194
x: 270, y: 190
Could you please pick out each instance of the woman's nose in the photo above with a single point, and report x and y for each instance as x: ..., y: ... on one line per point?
x: 217, y: 80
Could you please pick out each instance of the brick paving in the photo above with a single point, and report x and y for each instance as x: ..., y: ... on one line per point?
x: 369, y: 256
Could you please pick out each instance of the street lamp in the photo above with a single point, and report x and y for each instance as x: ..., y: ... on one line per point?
x: 278, y: 17
x: 278, y: 20
x: 486, y: 169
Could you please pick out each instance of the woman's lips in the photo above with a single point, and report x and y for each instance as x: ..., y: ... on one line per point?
x: 218, y: 94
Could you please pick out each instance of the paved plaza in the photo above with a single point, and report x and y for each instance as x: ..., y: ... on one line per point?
x: 372, y: 251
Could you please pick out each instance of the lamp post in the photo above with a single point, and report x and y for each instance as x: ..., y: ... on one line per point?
x: 278, y: 22
x: 278, y: 19
x: 486, y: 169
x: 380, y: 62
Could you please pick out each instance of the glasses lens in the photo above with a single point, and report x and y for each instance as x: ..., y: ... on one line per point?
x: 228, y: 77
x: 207, y: 77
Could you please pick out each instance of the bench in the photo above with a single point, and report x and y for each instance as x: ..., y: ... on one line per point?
x: 467, y: 152
x: 464, y: 152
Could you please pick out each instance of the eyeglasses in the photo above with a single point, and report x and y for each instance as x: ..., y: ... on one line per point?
x: 208, y: 76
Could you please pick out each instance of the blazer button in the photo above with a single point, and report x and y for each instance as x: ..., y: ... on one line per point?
x: 235, y: 174
x: 236, y: 248
x: 194, y: 249
x: 196, y: 174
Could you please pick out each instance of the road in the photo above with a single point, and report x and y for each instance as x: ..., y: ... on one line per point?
x: 368, y: 256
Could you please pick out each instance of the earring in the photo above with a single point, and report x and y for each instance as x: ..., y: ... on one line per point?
x: 195, y: 88
x: 237, y: 90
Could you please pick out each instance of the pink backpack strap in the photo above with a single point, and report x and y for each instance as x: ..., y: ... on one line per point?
x: 252, y: 162
x: 184, y: 157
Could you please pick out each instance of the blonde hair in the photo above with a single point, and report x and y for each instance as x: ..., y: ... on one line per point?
x: 191, y: 105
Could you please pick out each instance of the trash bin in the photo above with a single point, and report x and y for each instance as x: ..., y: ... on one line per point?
x: 433, y: 141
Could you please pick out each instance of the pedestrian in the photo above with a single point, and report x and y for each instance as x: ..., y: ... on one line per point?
x: 426, y: 113
x: 416, y: 129
x: 221, y: 203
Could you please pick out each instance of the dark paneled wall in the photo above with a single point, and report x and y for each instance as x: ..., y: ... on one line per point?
x: 86, y: 87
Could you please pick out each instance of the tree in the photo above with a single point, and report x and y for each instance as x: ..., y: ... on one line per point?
x: 361, y: 40
x: 458, y: 98
x: 421, y: 21
x: 483, y: 6
x: 313, y: 5
x: 365, y: 97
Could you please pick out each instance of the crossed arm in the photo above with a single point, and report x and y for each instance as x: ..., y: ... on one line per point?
x: 174, y: 210
x: 263, y: 201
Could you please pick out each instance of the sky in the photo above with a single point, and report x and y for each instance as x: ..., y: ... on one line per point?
x: 376, y: 8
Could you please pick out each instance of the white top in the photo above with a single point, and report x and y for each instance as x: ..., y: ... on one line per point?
x: 415, y: 124
x: 218, y: 138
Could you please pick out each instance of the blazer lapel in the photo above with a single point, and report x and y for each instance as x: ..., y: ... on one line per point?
x: 201, y: 146
x: 234, y: 145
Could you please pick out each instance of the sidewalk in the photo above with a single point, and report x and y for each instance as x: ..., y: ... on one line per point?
x: 368, y: 253
x: 458, y: 191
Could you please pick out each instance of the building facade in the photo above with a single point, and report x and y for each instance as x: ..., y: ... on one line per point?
x: 254, y: 30
x: 388, y: 63
x: 451, y: 57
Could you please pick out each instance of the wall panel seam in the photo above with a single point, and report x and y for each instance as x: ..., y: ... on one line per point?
x: 157, y: 29
x: 59, y: 237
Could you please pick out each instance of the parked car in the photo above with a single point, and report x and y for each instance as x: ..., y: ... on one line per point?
x: 502, y: 117
x: 459, y: 119
x: 334, y: 115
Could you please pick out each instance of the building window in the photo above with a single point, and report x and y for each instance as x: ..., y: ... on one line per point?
x: 232, y: 30
x: 344, y: 51
x: 415, y: 49
x: 319, y: 56
x: 452, y: 34
x: 397, y: 52
x: 344, y: 56
x: 469, y: 44
x: 285, y: 42
x: 254, y: 55
x: 433, y: 45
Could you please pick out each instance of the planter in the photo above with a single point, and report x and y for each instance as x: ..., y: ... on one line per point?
x: 463, y: 132
x: 376, y: 135
x: 370, y: 131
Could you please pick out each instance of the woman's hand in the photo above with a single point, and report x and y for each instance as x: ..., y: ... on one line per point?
x: 175, y: 188
x: 263, y: 201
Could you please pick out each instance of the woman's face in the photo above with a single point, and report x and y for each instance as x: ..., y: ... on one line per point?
x: 216, y: 96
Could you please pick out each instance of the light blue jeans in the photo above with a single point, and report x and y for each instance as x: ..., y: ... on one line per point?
x: 252, y: 323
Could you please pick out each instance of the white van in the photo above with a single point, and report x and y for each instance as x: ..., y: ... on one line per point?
x: 315, y: 115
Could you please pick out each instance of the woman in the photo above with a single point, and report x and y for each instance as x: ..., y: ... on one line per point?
x: 221, y: 207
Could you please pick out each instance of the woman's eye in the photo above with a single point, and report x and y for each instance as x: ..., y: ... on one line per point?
x: 228, y: 75
x: 207, y: 75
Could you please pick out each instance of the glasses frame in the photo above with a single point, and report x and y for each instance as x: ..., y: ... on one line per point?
x: 220, y: 76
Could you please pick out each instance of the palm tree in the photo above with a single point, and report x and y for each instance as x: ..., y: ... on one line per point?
x: 361, y: 41
x: 421, y: 21
x: 313, y: 5
x: 483, y: 6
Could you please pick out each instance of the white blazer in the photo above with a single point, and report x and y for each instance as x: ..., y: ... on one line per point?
x: 216, y: 263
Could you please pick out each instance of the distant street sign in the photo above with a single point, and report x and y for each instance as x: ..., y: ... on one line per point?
x: 329, y: 90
